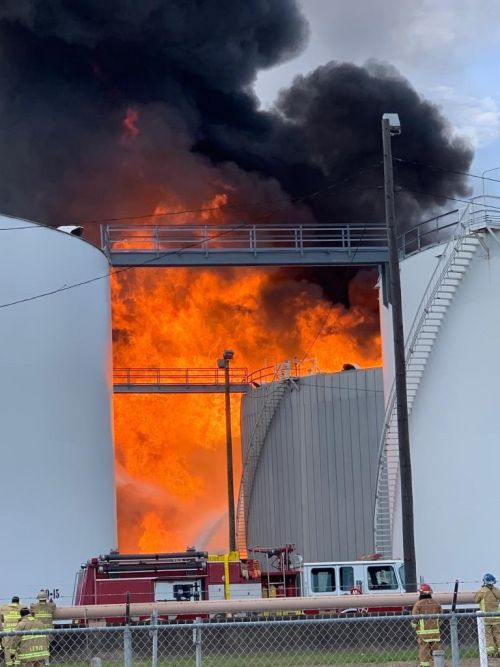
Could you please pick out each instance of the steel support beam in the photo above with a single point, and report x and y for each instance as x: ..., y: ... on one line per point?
x: 363, y: 257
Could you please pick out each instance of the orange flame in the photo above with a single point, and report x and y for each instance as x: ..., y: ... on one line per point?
x: 170, y: 449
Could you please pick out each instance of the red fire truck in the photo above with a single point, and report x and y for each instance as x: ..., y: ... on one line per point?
x: 189, y: 575
x: 196, y: 575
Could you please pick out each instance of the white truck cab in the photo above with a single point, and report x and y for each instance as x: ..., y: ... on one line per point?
x: 366, y: 577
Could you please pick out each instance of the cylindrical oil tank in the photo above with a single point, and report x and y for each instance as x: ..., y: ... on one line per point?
x: 57, y: 497
x: 454, y: 420
x: 314, y: 481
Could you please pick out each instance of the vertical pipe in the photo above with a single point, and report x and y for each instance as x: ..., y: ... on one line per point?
x: 455, y: 646
x: 229, y: 455
x: 481, y: 640
x: 197, y: 643
x: 154, y: 638
x: 227, y: 580
x: 399, y: 367
x: 127, y: 647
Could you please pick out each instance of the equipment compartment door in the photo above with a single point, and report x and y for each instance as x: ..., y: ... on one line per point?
x: 181, y: 591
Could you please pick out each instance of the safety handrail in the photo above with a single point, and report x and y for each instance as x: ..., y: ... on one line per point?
x: 261, y: 238
x: 284, y: 369
x: 251, y: 457
x: 216, y: 376
x: 195, y: 375
x: 420, y: 237
x: 462, y: 229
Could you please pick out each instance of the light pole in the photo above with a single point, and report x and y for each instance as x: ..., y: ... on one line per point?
x: 224, y: 363
x: 391, y: 127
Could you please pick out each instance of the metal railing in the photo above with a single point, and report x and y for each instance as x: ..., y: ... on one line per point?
x: 261, y: 238
x: 269, y: 374
x: 483, y: 210
x: 178, y: 376
x: 285, y: 369
x: 215, y: 376
x: 285, y: 641
x: 277, y: 382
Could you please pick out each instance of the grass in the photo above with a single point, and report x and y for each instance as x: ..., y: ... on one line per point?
x: 320, y: 658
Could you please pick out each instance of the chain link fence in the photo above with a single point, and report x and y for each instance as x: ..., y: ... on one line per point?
x: 377, y: 641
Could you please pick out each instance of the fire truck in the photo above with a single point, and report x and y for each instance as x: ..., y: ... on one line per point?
x: 195, y: 575
x: 185, y: 576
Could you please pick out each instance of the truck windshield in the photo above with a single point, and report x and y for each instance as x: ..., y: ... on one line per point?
x: 382, y: 577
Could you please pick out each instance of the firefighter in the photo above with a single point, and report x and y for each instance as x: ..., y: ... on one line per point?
x: 10, y: 617
x: 43, y: 610
x: 427, y: 629
x: 30, y: 650
x: 488, y: 598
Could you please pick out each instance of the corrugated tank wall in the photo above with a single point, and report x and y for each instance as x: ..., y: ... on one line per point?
x: 315, y: 480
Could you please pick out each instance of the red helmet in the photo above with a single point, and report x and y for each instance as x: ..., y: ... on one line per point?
x: 425, y: 588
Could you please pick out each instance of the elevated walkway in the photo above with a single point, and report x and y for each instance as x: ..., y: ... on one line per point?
x: 178, y: 380
x: 204, y: 380
x: 244, y: 245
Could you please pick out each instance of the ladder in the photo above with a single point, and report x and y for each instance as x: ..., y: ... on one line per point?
x: 274, y: 392
x: 431, y: 313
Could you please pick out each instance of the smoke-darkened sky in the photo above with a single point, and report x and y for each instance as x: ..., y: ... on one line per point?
x: 70, y: 70
x: 70, y: 73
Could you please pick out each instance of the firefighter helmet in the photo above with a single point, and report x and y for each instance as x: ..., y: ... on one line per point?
x: 425, y: 588
x: 489, y: 580
x: 41, y: 595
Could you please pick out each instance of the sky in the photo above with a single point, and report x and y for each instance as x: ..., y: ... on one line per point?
x: 448, y: 49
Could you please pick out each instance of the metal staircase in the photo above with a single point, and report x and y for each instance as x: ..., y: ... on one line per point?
x: 437, y: 298
x: 274, y: 392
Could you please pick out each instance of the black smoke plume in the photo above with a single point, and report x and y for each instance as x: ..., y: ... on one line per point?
x: 112, y: 108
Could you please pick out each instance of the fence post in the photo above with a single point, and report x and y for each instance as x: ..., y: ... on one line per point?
x: 127, y: 647
x: 197, y: 643
x: 154, y: 637
x: 481, y: 640
x: 455, y: 646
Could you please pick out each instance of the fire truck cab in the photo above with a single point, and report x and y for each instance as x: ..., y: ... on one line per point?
x: 371, y: 577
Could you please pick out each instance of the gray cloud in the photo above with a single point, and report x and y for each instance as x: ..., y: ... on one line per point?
x: 446, y: 47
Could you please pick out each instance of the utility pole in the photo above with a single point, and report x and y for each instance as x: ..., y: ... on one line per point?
x: 391, y: 126
x: 224, y: 363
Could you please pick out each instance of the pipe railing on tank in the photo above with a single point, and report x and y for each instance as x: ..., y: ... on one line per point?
x: 202, y: 607
x: 482, y: 209
x: 283, y: 370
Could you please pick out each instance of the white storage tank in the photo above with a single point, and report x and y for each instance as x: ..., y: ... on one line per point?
x: 451, y: 302
x: 57, y: 502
